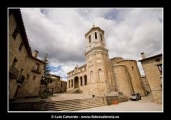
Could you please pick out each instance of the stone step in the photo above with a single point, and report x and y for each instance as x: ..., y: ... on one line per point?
x: 27, y: 106
x: 76, y: 90
x: 72, y: 105
x: 77, y: 100
x: 73, y: 109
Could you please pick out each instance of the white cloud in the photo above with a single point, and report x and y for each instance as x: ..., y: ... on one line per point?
x: 60, y: 33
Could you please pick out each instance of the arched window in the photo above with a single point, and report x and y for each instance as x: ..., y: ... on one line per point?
x: 95, y: 35
x: 89, y: 39
x: 100, y: 75
x: 85, y: 79
x: 69, y: 84
x: 14, y: 62
x: 101, y: 37
x: 81, y: 81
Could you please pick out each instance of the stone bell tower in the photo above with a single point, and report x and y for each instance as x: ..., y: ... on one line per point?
x: 99, y: 68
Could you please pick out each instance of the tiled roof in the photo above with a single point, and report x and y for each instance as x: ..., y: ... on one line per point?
x: 150, y: 57
x: 20, y: 24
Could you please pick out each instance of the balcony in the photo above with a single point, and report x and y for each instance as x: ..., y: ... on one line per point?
x: 35, y: 70
x: 21, y: 79
x: 13, y: 72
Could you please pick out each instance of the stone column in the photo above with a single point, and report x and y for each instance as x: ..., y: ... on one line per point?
x: 68, y: 84
x: 79, y: 82
x: 73, y: 83
x: 83, y: 80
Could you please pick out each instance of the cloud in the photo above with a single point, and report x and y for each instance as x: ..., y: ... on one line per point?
x: 60, y: 33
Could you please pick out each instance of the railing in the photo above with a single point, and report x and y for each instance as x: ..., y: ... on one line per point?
x: 36, y: 70
x: 13, y: 72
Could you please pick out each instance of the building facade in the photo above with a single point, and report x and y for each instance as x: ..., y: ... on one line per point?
x: 57, y: 85
x: 153, y: 71
x: 146, y: 85
x: 25, y: 69
x: 101, y: 75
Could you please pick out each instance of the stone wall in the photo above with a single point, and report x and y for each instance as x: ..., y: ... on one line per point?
x: 57, y: 86
x: 122, y: 79
x: 154, y: 77
x: 134, y: 75
x: 99, y: 70
x: 146, y: 85
x: 111, y: 99
x: 15, y: 53
x: 64, y: 86
x: 24, y: 65
x: 79, y: 73
x: 32, y: 81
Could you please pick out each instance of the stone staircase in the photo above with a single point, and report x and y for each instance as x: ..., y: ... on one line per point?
x: 76, y: 90
x: 75, y: 104
x: 28, y: 106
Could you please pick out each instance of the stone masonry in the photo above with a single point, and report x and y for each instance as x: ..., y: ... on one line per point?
x: 101, y: 75
x: 153, y: 70
x: 25, y: 69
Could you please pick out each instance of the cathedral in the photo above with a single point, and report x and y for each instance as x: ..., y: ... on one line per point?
x: 101, y: 75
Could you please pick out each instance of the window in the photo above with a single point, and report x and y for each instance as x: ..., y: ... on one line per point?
x: 81, y: 81
x: 37, y: 67
x: 89, y: 38
x: 100, y: 75
x: 101, y: 37
x: 21, y: 45
x: 160, y: 68
x: 132, y: 67
x: 69, y: 83
x: 34, y: 77
x: 95, y: 35
x: 15, y: 33
x: 85, y: 79
x: 14, y: 62
x: 61, y: 84
x: 27, y: 76
x: 91, y: 76
x: 158, y: 59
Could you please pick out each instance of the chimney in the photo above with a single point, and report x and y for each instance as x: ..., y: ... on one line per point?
x: 35, y: 53
x: 143, y: 55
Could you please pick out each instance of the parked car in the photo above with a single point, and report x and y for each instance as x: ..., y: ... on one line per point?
x: 135, y: 96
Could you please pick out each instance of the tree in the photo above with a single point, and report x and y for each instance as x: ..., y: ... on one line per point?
x: 46, y: 79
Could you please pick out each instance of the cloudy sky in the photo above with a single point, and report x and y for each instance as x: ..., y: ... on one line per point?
x: 60, y: 33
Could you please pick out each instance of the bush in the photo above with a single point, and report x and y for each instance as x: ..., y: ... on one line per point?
x: 44, y: 95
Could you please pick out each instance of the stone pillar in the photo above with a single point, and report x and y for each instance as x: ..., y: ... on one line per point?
x: 67, y: 84
x: 79, y: 82
x: 73, y: 83
x: 83, y: 80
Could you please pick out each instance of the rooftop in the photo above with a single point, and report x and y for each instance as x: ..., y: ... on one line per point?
x: 155, y: 56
